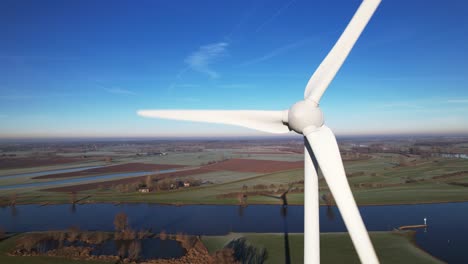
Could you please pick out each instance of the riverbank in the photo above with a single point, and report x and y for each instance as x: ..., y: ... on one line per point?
x: 195, y: 197
x: 391, y: 247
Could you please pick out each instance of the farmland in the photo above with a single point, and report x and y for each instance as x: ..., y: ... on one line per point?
x: 217, y: 172
x: 115, y: 175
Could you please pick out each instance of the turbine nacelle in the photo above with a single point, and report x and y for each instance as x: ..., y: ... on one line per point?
x: 304, y: 115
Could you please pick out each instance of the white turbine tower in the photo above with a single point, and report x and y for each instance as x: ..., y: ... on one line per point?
x: 305, y: 117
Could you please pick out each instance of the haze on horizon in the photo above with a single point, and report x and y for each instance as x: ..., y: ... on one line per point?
x: 83, y: 69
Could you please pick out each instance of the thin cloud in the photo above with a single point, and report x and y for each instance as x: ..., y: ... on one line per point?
x: 30, y: 96
x: 174, y: 85
x: 187, y: 85
x: 17, y: 97
x: 392, y: 105
x: 275, y: 52
x: 36, y: 58
x: 458, y: 101
x: 202, y: 59
x: 190, y: 99
x: 278, y: 13
x: 243, y: 20
x: 236, y: 86
x: 117, y: 90
x: 426, y: 105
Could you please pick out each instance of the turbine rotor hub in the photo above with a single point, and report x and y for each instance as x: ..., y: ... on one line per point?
x: 304, y: 114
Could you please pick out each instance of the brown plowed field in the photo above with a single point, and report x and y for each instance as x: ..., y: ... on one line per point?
x: 252, y: 165
x: 127, y: 167
x: 105, y: 184
x: 239, y: 165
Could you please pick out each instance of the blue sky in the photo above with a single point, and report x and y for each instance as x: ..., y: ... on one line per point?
x: 83, y: 68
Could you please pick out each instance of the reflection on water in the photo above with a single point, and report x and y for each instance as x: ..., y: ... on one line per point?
x: 446, y: 237
x: 14, y: 211
x: 151, y: 248
x: 284, y: 214
x: 330, y: 213
x: 241, y: 210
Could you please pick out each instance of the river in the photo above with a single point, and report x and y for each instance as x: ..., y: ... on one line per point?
x: 446, y: 237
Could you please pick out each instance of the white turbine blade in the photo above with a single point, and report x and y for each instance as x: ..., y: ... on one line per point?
x: 325, y: 147
x: 311, y: 210
x: 327, y: 70
x: 267, y: 121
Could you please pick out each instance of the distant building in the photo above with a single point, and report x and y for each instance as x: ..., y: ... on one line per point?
x: 144, y: 190
x: 156, y: 154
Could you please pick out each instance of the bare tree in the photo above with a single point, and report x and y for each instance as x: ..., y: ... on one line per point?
x: 142, y: 234
x: 242, y: 198
x: 128, y: 234
x: 134, y: 250
x: 149, y: 181
x: 163, y: 235
x: 100, y: 237
x: 73, y: 233
x: 121, y: 222
x: 328, y: 198
x: 73, y: 198
x: 164, y: 184
x: 27, y: 242
x: 122, y: 251
x: 61, y: 239
x: 13, y: 199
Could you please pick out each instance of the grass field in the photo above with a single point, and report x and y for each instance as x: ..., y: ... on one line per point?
x: 375, y: 181
x: 334, y: 248
x: 391, y: 247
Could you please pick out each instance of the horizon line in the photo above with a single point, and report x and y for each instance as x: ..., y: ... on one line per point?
x: 221, y: 137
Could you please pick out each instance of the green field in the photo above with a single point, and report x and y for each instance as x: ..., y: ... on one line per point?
x: 375, y: 181
x: 334, y: 247
x: 391, y: 247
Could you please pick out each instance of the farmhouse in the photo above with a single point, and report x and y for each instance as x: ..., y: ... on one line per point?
x: 144, y: 190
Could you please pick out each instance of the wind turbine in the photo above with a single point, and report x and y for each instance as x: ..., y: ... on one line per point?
x: 305, y: 117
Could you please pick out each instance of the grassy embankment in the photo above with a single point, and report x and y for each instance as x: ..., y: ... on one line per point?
x: 334, y: 247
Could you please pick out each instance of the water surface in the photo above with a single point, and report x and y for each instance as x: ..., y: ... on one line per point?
x: 446, y: 237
